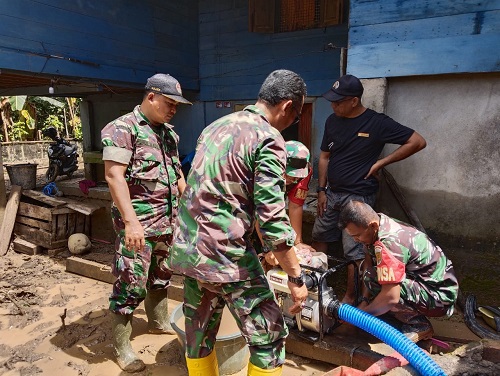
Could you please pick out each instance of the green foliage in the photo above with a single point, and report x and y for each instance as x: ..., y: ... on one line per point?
x: 18, y: 131
x: 53, y: 121
x: 30, y: 114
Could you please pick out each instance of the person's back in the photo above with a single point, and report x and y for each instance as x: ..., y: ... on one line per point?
x: 237, y: 181
x: 236, y: 155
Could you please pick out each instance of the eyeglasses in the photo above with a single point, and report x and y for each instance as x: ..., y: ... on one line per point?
x: 297, y: 118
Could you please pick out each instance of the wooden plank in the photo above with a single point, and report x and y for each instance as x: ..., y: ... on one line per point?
x: 34, y: 235
x: 372, y: 12
x: 90, y: 269
x: 80, y: 224
x: 44, y: 225
x: 35, y: 211
x: 85, y: 207
x: 406, y: 58
x: 9, y: 219
x: 102, y: 272
x: 71, y: 224
x: 61, y: 227
x: 63, y: 210
x: 24, y: 246
x: 39, y: 196
x: 3, y: 195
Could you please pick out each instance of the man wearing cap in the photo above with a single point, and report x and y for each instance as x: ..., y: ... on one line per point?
x: 353, y: 140
x: 142, y: 168
x: 237, y: 179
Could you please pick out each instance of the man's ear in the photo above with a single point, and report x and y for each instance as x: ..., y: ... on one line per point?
x: 286, y: 105
x: 374, y: 225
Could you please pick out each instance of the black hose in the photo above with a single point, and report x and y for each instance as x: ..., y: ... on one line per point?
x: 470, y: 309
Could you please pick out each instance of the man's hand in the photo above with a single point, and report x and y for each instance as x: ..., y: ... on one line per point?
x: 134, y: 236
x: 301, y: 246
x: 299, y: 295
x: 322, y: 203
x: 374, y: 170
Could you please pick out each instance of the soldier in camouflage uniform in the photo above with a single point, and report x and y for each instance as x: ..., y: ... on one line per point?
x: 142, y: 168
x: 407, y: 273
x: 237, y: 179
x: 297, y: 178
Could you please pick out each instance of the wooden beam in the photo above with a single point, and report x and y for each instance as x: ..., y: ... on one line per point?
x: 102, y: 272
x: 3, y: 201
x: 9, y: 218
x: 90, y: 269
x: 24, y: 246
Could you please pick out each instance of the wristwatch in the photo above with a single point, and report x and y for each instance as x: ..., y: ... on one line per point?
x: 320, y: 189
x: 299, y: 281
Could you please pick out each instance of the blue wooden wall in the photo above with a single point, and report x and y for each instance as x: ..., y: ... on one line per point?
x: 111, y: 40
x: 420, y: 37
x: 235, y: 62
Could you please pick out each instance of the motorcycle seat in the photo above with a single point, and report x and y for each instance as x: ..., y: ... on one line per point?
x: 69, y: 149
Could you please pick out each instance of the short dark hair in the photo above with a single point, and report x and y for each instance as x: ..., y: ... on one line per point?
x: 358, y: 213
x: 282, y: 85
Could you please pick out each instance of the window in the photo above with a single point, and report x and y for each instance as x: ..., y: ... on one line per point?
x: 279, y: 16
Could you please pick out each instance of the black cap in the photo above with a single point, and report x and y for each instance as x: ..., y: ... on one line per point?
x: 345, y: 86
x: 166, y: 85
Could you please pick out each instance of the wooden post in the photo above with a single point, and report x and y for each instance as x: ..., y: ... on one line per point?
x: 3, y: 191
x: 9, y: 218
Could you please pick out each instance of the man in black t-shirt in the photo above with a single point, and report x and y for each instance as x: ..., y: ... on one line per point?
x: 353, y: 140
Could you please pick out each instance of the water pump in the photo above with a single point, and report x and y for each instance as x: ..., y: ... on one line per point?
x: 319, y: 312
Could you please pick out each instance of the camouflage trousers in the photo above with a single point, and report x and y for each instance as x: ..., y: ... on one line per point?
x: 254, y: 309
x: 138, y: 272
x: 414, y: 294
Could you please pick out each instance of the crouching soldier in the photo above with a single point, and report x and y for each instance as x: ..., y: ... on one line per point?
x: 407, y: 277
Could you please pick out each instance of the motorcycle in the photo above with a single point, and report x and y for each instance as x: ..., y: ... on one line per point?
x: 63, y: 157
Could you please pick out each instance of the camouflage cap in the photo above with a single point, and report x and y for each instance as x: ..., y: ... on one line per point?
x: 297, y: 159
x: 166, y: 85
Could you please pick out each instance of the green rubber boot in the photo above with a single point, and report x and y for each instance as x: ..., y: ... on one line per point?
x: 125, y: 356
x: 156, y: 305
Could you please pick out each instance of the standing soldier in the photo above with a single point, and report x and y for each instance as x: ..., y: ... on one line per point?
x: 237, y: 178
x: 142, y: 168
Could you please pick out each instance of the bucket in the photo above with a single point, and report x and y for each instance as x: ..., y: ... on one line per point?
x: 23, y: 174
x: 231, y: 350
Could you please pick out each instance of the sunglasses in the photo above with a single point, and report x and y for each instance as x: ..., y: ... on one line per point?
x: 297, y: 118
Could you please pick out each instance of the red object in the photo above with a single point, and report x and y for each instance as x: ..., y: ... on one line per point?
x: 85, y: 185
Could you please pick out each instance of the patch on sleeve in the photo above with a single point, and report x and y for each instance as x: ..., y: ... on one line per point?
x: 389, y: 268
x: 301, y: 194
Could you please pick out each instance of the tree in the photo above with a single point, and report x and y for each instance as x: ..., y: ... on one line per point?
x: 23, y: 117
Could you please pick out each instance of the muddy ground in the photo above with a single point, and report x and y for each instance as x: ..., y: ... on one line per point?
x: 57, y: 323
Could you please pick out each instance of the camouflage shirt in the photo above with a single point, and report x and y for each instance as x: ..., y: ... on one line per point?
x: 403, y: 254
x: 236, y: 179
x: 152, y: 157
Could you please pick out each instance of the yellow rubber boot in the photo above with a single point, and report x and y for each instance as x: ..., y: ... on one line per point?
x: 206, y: 366
x: 253, y: 370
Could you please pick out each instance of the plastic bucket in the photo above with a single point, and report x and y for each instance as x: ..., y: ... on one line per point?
x: 22, y: 174
x: 231, y: 350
